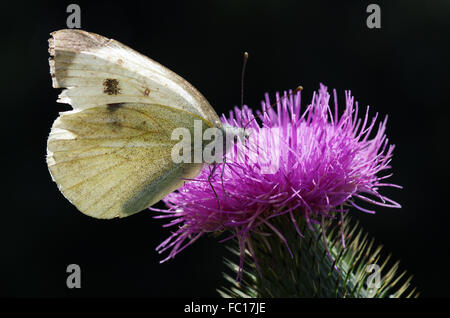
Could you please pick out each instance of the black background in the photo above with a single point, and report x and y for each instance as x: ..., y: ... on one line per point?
x: 401, y: 69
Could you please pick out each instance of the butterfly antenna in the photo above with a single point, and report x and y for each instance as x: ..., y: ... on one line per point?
x: 244, y: 64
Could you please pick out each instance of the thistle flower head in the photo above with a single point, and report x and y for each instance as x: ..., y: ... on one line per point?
x: 310, y: 164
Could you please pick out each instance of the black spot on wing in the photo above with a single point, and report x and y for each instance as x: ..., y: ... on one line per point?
x: 114, y: 106
x: 111, y: 86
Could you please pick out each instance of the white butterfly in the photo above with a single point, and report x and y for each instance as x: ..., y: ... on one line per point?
x: 111, y: 155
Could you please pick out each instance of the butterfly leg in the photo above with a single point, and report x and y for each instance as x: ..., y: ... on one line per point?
x: 212, y: 187
x: 221, y: 176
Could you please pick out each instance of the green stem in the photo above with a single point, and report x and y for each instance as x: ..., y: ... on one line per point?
x: 320, y: 266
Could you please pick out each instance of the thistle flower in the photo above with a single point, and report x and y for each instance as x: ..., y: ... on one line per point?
x: 312, y: 165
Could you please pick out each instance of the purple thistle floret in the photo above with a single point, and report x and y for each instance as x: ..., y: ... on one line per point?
x: 324, y: 164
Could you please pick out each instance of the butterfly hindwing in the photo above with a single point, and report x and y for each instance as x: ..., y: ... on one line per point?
x: 117, y: 161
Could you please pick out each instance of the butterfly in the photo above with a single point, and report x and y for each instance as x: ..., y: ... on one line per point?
x: 111, y: 154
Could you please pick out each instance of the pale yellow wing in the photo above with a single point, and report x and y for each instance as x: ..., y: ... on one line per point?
x: 99, y: 71
x: 111, y: 155
x: 113, y: 161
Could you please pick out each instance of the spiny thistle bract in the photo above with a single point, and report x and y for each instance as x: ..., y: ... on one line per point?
x: 349, y: 273
x: 305, y: 166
